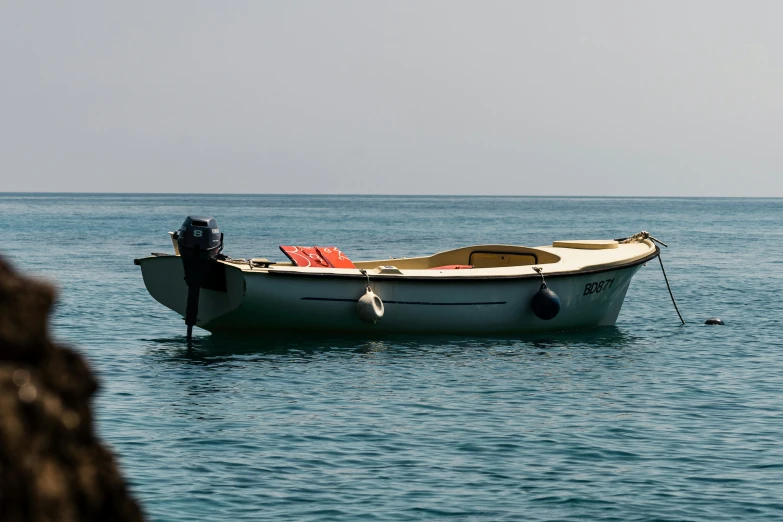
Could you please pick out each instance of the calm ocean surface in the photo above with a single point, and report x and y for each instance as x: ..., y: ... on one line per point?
x: 648, y: 420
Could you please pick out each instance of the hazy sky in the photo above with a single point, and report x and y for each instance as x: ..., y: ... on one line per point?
x: 679, y: 98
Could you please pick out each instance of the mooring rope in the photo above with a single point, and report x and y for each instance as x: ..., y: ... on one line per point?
x: 638, y: 238
x: 670, y: 289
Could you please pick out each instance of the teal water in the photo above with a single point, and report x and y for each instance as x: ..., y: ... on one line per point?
x: 648, y: 420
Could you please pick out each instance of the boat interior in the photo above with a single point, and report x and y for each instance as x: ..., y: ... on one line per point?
x: 479, y: 256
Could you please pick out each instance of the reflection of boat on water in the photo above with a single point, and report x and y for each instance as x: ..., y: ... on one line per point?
x: 482, y: 289
x: 274, y: 346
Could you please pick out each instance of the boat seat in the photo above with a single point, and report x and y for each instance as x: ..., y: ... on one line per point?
x: 451, y: 267
x: 317, y: 257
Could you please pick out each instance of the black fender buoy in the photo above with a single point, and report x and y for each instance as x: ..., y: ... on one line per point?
x: 546, y: 304
x: 714, y: 320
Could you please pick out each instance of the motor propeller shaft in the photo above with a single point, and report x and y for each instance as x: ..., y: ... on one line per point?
x: 200, y: 241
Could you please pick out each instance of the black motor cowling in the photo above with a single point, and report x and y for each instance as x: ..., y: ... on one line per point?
x: 199, y: 241
x: 200, y: 234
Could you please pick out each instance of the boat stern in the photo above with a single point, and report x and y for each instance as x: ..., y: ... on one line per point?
x: 221, y: 292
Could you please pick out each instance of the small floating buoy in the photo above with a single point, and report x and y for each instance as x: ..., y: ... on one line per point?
x: 714, y: 320
x: 369, y: 307
x: 546, y: 303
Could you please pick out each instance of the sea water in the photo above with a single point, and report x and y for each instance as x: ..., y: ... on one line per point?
x: 647, y: 420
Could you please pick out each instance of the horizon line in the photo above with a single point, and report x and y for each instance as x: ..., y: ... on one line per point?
x: 83, y: 193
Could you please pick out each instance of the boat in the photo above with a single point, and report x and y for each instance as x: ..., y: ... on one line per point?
x: 481, y: 289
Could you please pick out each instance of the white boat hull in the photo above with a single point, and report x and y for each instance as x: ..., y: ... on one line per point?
x: 417, y: 301
x: 473, y: 306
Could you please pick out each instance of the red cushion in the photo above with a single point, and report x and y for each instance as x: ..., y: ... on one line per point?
x: 451, y: 267
x: 304, y: 256
x: 317, y: 257
x: 334, y: 257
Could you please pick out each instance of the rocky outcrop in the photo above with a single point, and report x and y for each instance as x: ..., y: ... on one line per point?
x: 52, y: 465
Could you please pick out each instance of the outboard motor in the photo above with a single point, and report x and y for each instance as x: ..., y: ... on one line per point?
x: 200, y: 241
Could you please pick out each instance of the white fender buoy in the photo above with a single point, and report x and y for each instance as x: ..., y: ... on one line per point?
x: 369, y: 307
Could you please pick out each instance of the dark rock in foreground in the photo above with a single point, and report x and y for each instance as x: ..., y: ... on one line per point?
x: 52, y: 465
